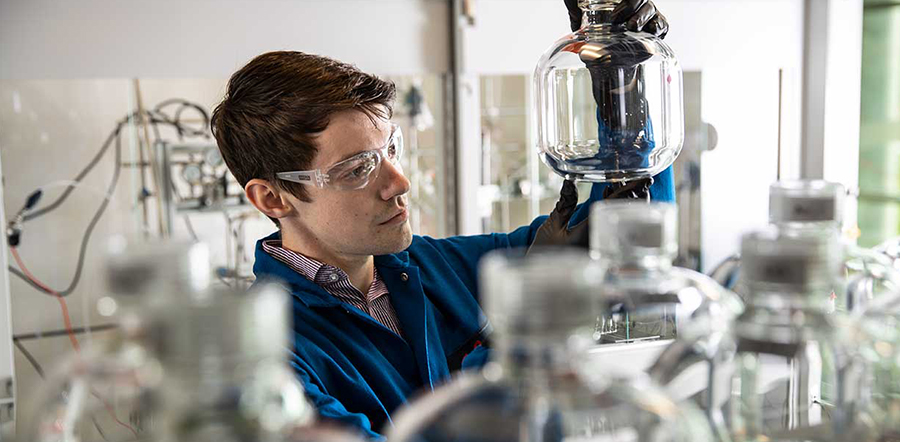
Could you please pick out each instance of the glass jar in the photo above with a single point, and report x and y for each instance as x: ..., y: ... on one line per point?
x: 539, y: 307
x: 650, y: 302
x: 609, y: 104
x: 650, y: 298
x: 795, y: 371
x: 194, y: 363
x: 787, y: 367
x: 816, y: 205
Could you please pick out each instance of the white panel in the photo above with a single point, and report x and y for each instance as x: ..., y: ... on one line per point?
x: 842, y: 99
x: 736, y: 175
x: 212, y: 38
x: 509, y: 36
x: 7, y: 363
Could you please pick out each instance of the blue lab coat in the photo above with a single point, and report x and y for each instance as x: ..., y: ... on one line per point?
x: 357, y: 371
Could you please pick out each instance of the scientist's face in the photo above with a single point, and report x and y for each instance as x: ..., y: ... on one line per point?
x: 372, y: 220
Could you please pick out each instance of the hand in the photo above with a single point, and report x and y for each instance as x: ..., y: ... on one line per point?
x: 637, y: 15
x: 555, y: 231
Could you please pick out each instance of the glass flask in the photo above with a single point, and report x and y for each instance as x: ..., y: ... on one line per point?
x: 797, y: 206
x: 794, y: 375
x: 539, y: 306
x: 111, y: 389
x: 649, y: 298
x: 609, y: 101
x: 196, y: 363
x: 877, y: 339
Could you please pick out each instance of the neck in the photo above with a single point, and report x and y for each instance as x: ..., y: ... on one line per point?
x: 359, y: 268
x: 542, y: 366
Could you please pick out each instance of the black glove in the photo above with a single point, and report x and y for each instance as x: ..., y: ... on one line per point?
x: 555, y: 231
x: 637, y: 15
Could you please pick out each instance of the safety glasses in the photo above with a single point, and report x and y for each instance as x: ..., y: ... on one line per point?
x: 355, y: 172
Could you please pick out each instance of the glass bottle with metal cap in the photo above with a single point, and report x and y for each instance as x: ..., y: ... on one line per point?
x: 795, y: 375
x: 609, y: 104
x: 796, y: 206
x: 111, y: 388
x: 539, y: 306
x: 197, y: 363
x: 649, y: 302
x: 652, y: 299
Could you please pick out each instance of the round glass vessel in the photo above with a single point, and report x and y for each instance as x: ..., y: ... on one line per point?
x: 609, y: 101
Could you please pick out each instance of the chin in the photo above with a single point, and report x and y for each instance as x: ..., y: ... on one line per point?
x: 398, y: 241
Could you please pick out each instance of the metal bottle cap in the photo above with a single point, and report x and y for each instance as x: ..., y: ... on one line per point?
x: 805, y: 202
x: 162, y: 271
x: 791, y: 263
x: 231, y: 327
x: 626, y: 230
x: 545, y: 294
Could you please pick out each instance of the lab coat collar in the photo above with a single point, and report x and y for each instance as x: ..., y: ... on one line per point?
x: 267, y: 268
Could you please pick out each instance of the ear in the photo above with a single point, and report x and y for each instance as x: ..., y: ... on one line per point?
x: 267, y: 198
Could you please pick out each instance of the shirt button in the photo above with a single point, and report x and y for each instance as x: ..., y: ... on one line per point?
x: 333, y: 277
x: 404, y: 277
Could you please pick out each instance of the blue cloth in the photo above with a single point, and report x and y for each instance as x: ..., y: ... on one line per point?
x: 357, y: 371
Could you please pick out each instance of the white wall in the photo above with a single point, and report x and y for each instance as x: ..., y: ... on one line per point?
x: 510, y: 35
x: 212, y: 38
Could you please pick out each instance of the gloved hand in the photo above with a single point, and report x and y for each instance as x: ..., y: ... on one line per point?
x: 555, y: 231
x: 637, y: 15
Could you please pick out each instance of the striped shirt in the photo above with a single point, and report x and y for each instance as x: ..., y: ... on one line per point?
x: 376, y: 302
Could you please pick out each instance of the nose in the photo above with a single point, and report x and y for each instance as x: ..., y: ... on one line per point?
x: 395, y: 183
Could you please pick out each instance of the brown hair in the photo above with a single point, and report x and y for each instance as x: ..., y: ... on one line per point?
x: 276, y: 104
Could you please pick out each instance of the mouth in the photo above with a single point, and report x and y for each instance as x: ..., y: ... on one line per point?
x: 400, y: 217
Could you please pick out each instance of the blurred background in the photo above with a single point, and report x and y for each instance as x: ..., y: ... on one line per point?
x: 774, y: 89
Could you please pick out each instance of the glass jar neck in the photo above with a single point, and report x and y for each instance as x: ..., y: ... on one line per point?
x: 529, y: 366
x: 597, y: 17
x: 639, y: 265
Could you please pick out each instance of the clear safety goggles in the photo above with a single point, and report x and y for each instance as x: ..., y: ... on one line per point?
x: 354, y: 172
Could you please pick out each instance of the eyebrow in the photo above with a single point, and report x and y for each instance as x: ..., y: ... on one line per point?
x: 351, y: 155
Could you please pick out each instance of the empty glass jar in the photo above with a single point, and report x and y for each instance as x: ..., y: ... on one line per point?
x: 539, y: 307
x: 609, y: 104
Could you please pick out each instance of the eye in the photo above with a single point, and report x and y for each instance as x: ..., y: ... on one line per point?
x: 358, y: 172
x: 392, y: 151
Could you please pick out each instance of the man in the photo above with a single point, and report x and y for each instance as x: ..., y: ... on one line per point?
x: 378, y: 312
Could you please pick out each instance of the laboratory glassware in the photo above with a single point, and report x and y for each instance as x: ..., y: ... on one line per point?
x: 609, y: 105
x: 797, y: 206
x: 539, y: 306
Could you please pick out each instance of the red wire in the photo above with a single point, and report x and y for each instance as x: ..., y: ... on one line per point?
x: 68, y: 323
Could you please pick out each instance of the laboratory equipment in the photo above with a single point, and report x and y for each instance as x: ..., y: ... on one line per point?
x: 648, y: 301
x: 650, y: 298
x: 797, y: 206
x: 609, y: 101
x: 794, y: 374
x: 194, y: 363
x: 539, y: 307
x: 794, y: 362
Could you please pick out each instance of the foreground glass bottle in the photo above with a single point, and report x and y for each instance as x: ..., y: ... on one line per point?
x: 794, y: 375
x: 609, y: 104
x: 196, y: 363
x: 539, y: 306
x: 815, y: 205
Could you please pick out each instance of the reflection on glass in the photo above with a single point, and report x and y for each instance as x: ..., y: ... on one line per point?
x: 609, y: 102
